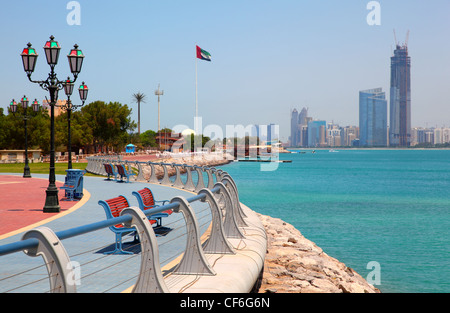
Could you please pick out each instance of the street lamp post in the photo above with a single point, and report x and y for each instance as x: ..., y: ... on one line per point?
x: 69, y: 107
x: 52, y: 85
x: 25, y: 117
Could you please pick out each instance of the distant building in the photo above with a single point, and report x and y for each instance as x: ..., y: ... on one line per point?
x: 169, y: 141
x: 400, y: 98
x: 299, y: 127
x: 58, y: 107
x: 317, y: 133
x: 294, y: 128
x: 372, y: 118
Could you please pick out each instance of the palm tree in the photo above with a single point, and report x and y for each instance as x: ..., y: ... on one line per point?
x: 139, y: 97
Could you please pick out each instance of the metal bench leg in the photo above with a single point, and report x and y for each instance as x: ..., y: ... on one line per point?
x: 118, y: 246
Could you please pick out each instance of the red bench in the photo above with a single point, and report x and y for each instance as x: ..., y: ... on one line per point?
x: 109, y: 168
x: 147, y: 201
x: 113, y: 207
x: 122, y: 171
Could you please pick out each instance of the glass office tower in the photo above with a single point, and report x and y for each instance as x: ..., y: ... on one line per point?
x: 400, y: 98
x: 372, y: 118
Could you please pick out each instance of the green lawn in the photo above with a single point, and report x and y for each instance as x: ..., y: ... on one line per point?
x: 41, y: 168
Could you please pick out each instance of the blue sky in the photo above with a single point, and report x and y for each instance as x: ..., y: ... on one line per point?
x: 268, y: 57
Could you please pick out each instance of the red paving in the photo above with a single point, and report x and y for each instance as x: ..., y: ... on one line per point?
x: 22, y: 201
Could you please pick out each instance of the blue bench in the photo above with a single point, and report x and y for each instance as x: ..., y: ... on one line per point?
x: 113, y: 207
x: 122, y: 171
x: 110, y: 171
x: 73, y: 185
x: 146, y: 201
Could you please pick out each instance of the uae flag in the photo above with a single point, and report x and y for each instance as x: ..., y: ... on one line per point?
x: 203, y: 54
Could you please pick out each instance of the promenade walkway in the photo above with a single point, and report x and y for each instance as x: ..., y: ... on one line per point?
x: 21, y: 203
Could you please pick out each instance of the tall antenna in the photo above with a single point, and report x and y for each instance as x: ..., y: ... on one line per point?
x: 159, y: 93
x: 395, y: 39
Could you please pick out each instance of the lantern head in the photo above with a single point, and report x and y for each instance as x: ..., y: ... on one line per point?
x: 29, y: 57
x: 52, y: 49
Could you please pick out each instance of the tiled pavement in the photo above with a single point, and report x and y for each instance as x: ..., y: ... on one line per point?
x: 99, y: 272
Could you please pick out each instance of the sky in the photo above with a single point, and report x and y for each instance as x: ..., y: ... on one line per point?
x: 268, y: 57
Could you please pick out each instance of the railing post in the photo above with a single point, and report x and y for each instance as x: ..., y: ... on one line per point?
x: 230, y: 225
x: 189, y: 183
x: 208, y: 171
x: 194, y: 261
x: 153, y: 178
x: 140, y: 175
x: 55, y: 258
x: 150, y: 278
x: 217, y: 242
x: 166, y: 180
x: 200, y: 183
x: 178, y: 183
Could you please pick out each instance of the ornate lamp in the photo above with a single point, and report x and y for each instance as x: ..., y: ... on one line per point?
x: 52, y: 49
x: 35, y: 105
x: 68, y: 87
x: 13, y: 106
x: 29, y: 57
x: 83, y: 90
x: 24, y: 102
x: 75, y: 60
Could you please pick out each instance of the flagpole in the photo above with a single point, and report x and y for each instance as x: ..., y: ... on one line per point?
x: 196, y: 97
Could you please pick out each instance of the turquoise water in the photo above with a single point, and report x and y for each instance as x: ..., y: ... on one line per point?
x: 388, y: 206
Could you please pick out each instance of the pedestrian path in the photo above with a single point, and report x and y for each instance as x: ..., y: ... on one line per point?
x: 21, y: 205
x: 22, y: 201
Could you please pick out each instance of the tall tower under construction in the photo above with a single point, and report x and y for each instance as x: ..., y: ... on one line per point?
x: 400, y: 97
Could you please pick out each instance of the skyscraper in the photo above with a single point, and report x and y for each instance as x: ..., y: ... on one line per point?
x: 317, y: 133
x: 372, y: 118
x: 294, y: 128
x: 400, y: 98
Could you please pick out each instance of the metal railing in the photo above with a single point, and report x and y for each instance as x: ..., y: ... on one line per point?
x: 227, y: 220
x: 146, y: 171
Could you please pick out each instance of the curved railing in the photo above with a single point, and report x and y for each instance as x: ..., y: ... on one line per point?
x: 228, y: 222
x: 192, y: 182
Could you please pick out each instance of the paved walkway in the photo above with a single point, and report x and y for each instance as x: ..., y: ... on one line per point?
x: 22, y: 200
x: 21, y: 203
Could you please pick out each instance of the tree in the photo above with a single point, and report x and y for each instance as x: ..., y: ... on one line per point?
x: 138, y: 98
x: 109, y: 124
x: 148, y: 139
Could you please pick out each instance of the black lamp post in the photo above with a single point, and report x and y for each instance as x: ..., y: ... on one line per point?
x: 52, y: 85
x: 69, y: 107
x: 25, y: 117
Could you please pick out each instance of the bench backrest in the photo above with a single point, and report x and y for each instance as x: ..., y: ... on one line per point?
x: 108, y: 168
x: 113, y: 207
x: 121, y: 169
x: 147, y: 196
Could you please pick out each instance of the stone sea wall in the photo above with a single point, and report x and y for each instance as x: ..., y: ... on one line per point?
x: 295, y: 264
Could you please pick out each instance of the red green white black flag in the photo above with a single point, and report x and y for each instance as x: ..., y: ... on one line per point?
x: 203, y: 54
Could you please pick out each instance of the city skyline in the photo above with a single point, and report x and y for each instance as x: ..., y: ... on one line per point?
x: 267, y: 58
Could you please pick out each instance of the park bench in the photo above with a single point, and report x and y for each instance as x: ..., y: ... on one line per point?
x: 122, y: 171
x: 113, y: 207
x: 73, y: 185
x: 109, y: 169
x: 146, y: 201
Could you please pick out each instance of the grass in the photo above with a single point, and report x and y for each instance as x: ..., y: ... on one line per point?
x: 41, y: 168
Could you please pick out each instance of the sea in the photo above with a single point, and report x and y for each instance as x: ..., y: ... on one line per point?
x: 384, y: 213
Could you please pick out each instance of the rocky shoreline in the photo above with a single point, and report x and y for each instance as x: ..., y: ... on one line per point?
x: 295, y: 264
